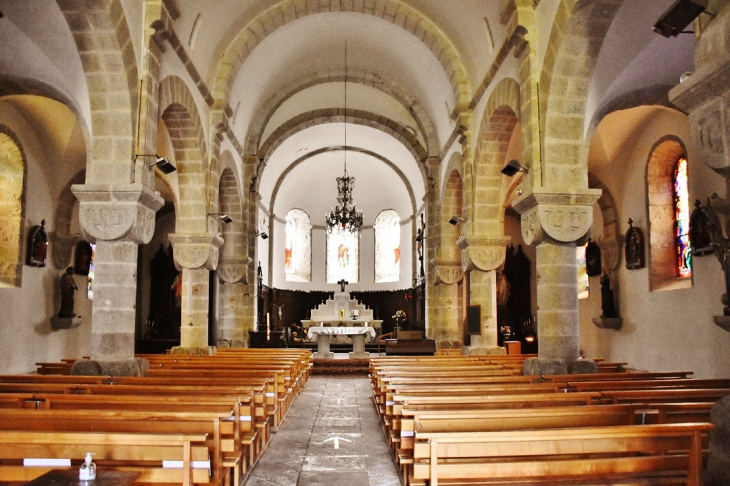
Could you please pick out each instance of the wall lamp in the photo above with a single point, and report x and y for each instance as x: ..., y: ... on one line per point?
x: 262, y: 234
x: 456, y: 220
x: 679, y: 15
x: 161, y: 162
x: 223, y: 217
x: 512, y: 168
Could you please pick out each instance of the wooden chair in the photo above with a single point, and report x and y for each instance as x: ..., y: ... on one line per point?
x: 382, y: 338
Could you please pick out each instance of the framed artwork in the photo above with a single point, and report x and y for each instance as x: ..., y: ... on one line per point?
x: 634, y: 248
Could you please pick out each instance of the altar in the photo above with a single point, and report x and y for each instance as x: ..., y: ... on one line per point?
x: 324, y: 334
x: 341, y: 310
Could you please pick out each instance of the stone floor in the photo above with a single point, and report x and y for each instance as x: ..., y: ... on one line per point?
x: 331, y: 436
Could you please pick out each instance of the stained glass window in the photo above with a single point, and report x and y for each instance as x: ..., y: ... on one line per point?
x: 387, y: 246
x: 298, y: 247
x: 343, y: 257
x: 681, y: 219
x: 90, y: 278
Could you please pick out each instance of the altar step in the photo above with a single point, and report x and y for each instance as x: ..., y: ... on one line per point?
x: 345, y: 348
x: 340, y: 367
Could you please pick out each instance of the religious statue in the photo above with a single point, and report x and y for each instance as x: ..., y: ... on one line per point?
x: 38, y: 245
x: 721, y: 247
x: 634, y: 247
x: 608, y: 305
x: 68, y: 287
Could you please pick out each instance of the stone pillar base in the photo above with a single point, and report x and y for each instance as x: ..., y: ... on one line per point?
x: 129, y: 367
x: 541, y: 366
x: 194, y: 350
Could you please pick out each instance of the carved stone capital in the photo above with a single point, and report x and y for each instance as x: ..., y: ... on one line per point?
x: 482, y: 253
x: 447, y: 273
x: 561, y: 217
x: 195, y: 251
x: 117, y: 213
x: 234, y: 271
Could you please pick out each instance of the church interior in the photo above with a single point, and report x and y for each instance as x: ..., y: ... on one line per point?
x: 261, y: 105
x: 200, y: 176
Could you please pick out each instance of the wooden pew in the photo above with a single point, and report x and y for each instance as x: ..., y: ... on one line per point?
x: 139, y: 452
x: 124, y: 421
x: 414, y: 422
x: 614, y: 455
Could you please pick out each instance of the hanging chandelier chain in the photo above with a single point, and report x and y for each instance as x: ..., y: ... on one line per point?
x: 345, y: 218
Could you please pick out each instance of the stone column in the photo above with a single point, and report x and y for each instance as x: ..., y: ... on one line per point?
x: 117, y: 219
x: 554, y: 222
x: 443, y: 305
x: 234, y: 278
x: 481, y: 257
x: 195, y: 256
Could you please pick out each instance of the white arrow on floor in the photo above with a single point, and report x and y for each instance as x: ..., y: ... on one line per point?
x: 337, y: 441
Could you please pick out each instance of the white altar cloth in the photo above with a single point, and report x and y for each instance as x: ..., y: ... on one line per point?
x: 358, y: 340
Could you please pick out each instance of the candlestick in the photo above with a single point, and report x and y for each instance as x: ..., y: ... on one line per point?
x: 268, y: 327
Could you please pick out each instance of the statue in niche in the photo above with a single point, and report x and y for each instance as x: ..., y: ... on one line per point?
x: 608, y: 304
x: 593, y: 259
x: 38, y: 245
x: 68, y: 287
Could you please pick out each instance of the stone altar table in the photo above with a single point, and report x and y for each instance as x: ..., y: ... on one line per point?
x: 325, y: 333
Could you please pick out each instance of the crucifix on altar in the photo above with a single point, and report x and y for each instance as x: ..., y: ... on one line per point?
x: 342, y: 283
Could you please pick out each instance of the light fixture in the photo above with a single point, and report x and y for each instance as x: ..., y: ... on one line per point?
x: 678, y: 16
x: 160, y: 161
x: 262, y: 234
x: 456, y: 220
x: 345, y: 218
x: 223, y: 217
x: 512, y: 168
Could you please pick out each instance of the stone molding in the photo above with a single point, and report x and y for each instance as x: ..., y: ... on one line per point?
x: 234, y: 271
x: 705, y: 96
x: 560, y: 217
x: 610, y: 252
x: 195, y: 251
x: 480, y: 253
x: 448, y: 273
x: 117, y: 213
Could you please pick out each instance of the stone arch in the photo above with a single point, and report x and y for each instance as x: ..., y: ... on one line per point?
x: 184, y: 125
x: 663, y: 157
x: 104, y: 44
x: 657, y: 95
x: 64, y: 241
x: 337, y: 115
x: 173, y: 90
x: 610, y: 242
x: 495, y: 133
x: 393, y: 11
x: 304, y: 158
x: 578, y: 33
x: 397, y: 92
x: 12, y: 203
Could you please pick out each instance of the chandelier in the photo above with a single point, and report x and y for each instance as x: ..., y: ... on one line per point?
x: 345, y: 217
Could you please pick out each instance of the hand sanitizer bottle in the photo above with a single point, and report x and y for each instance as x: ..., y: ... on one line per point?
x: 87, y: 472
